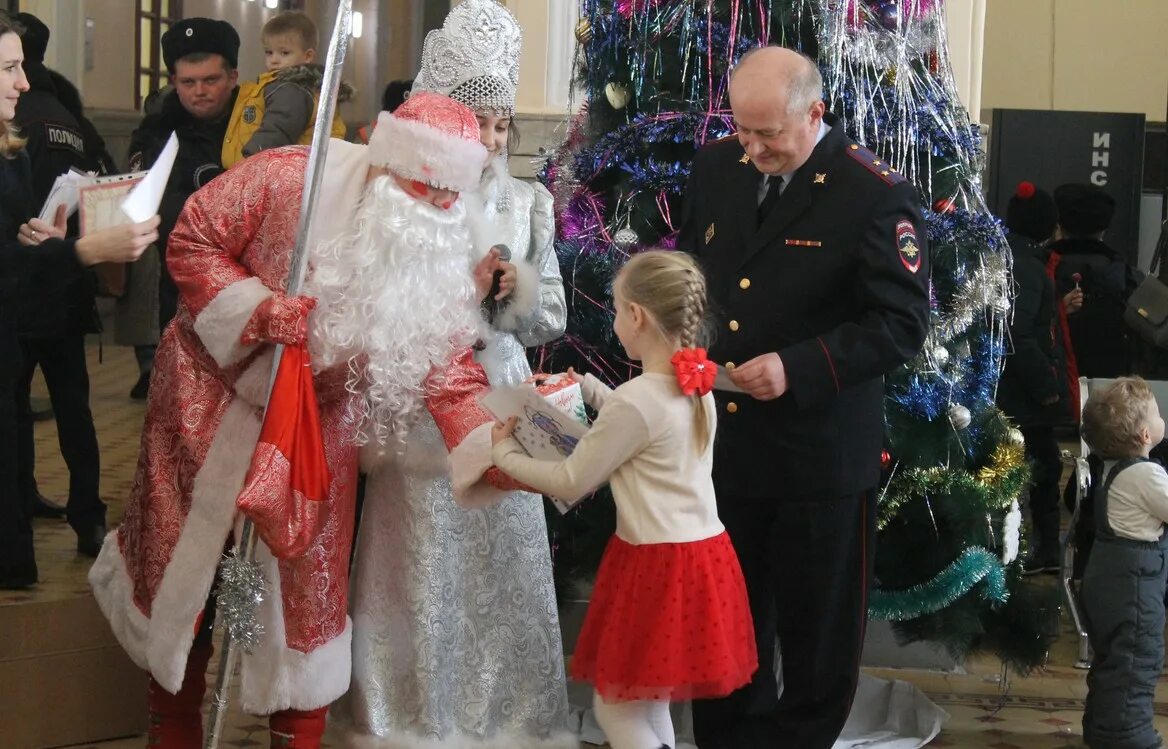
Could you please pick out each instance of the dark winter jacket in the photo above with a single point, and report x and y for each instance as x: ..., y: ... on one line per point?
x: 200, y: 144
x: 56, y: 144
x: 1100, y: 339
x: 49, y: 268
x: 1031, y: 390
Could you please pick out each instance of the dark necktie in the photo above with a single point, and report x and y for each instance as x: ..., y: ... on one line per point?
x: 771, y: 199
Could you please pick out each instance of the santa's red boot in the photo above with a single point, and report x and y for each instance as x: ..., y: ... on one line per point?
x: 175, y: 719
x: 297, y: 729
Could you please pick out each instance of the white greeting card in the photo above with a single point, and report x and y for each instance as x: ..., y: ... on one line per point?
x: 550, y: 424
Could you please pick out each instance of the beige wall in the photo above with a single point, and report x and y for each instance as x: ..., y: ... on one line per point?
x: 1076, y: 55
x: 110, y: 84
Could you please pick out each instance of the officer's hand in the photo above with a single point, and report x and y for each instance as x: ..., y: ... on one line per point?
x: 763, y: 377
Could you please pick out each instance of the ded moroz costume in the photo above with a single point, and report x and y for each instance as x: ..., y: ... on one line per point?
x: 230, y: 251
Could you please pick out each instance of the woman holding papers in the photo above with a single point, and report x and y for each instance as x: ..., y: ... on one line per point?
x: 456, y: 635
x: 34, y: 255
x: 669, y: 617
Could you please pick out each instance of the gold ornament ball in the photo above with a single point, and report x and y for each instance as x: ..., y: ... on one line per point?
x: 584, y: 31
x: 617, y: 95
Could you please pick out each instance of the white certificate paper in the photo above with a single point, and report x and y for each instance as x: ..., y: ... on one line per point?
x: 143, y: 201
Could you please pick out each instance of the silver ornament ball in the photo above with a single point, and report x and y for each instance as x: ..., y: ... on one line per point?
x: 625, y: 238
x: 959, y: 416
x: 941, y: 356
x: 1014, y: 437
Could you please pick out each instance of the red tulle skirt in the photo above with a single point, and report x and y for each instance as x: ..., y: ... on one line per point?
x: 667, y: 622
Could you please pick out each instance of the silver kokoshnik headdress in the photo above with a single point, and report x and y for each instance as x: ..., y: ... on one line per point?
x: 474, y: 57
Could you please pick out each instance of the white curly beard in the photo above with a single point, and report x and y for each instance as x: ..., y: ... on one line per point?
x: 396, y: 300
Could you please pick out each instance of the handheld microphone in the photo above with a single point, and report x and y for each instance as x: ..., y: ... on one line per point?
x: 493, y: 305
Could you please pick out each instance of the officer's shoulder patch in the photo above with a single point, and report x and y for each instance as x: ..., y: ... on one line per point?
x: 908, y: 246
x: 64, y: 138
x: 874, y: 164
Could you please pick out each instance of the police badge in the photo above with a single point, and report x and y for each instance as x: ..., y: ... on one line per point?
x: 907, y: 245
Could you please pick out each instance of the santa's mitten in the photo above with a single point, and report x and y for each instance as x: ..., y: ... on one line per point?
x: 279, y: 319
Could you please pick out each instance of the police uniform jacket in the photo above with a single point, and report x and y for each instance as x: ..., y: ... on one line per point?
x: 835, y: 281
x: 55, y: 145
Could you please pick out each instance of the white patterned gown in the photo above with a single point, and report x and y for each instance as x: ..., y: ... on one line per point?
x: 456, y: 638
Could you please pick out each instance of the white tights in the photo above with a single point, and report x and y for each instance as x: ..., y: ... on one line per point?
x: 634, y: 725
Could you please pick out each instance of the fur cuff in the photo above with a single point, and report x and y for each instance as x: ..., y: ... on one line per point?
x: 524, y: 299
x: 469, y: 460
x: 220, y: 325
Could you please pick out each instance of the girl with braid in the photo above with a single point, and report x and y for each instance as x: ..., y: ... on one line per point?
x: 669, y: 618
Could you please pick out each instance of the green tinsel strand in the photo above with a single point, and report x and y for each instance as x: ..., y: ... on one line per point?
x: 975, y: 565
x: 917, y: 482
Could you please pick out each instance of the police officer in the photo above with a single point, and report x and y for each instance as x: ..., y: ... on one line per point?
x: 815, y: 255
x: 55, y: 318
x: 201, y: 55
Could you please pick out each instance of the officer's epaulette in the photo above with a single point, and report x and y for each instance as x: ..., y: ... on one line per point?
x: 875, y: 164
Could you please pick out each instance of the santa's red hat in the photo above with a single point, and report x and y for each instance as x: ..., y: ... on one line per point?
x: 430, y: 138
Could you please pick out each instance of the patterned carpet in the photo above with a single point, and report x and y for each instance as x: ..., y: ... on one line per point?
x: 1042, y: 711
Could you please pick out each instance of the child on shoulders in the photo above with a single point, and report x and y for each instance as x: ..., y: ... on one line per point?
x: 279, y: 108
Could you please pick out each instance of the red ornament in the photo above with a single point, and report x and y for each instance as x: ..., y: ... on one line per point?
x: 885, y: 459
x: 1025, y: 190
x: 695, y: 373
x: 944, y: 205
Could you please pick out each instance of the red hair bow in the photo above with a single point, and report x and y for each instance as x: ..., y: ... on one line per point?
x: 695, y: 373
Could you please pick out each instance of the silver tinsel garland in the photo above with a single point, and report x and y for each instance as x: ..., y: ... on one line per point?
x: 242, y: 589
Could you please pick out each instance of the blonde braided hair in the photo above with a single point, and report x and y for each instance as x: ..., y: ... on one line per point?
x: 672, y: 288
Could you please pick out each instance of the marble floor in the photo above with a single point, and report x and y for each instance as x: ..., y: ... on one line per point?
x: 987, y: 708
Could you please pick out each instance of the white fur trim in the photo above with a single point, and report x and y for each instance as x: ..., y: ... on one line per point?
x: 277, y: 677
x: 524, y: 299
x: 469, y: 460
x: 114, y: 593
x: 345, y: 173
x: 252, y: 385
x: 220, y: 325
x: 424, y: 153
x: 162, y: 643
x: 561, y: 740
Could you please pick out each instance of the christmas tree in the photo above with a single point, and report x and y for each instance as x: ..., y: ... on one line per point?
x: 655, y: 75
